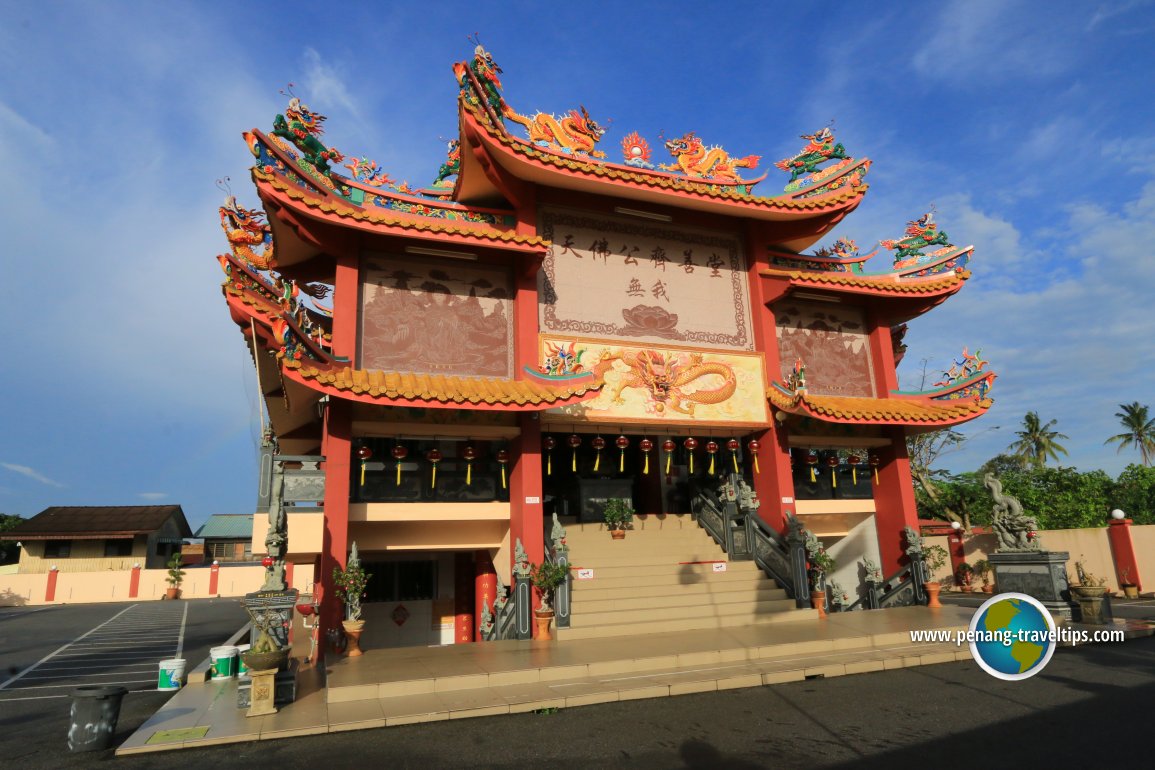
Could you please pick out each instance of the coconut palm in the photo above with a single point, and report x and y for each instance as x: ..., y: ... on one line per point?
x: 1140, y: 430
x: 1037, y: 442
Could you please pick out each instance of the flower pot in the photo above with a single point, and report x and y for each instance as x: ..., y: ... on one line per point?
x: 353, y: 629
x: 818, y: 602
x: 172, y: 593
x: 618, y: 534
x: 966, y: 589
x: 1089, y: 592
x: 543, y: 618
x: 932, y: 591
x: 988, y: 589
x: 1130, y: 591
x: 262, y: 661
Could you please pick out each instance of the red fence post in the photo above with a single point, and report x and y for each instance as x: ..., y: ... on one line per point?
x: 50, y: 586
x: 1123, y: 550
x: 134, y: 582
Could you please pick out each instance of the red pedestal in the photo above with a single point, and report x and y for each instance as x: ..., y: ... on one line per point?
x: 1123, y: 552
x: 134, y: 582
x: 463, y: 601
x: 50, y: 586
x: 484, y: 586
x: 214, y: 578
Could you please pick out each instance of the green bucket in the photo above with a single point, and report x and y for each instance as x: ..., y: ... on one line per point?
x: 242, y: 669
x: 224, y: 662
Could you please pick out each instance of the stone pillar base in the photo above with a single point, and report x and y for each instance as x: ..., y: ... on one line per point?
x: 1041, y: 574
x: 263, y: 692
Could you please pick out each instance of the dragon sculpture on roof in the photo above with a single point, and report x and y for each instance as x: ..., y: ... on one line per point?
x: 302, y: 127
x: 693, y: 158
x: 820, y: 147
x: 920, y: 233
x: 249, y: 235
x: 577, y: 132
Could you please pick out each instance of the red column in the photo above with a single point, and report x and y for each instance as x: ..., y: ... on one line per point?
x: 50, y: 586
x: 774, y: 483
x: 463, y: 601
x: 484, y: 586
x: 525, y: 514
x: 1123, y: 552
x: 336, y: 446
x: 214, y: 578
x: 894, y: 502
x: 134, y: 582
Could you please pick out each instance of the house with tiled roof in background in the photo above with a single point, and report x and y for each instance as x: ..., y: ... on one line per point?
x: 107, y: 537
x: 228, y: 537
x: 543, y: 329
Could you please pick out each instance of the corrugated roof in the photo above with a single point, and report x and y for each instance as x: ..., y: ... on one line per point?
x: 92, y: 521
x: 227, y: 525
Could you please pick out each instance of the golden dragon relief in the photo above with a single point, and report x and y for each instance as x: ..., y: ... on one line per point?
x: 666, y: 379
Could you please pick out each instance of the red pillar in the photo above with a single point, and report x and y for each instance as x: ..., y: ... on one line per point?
x: 894, y: 502
x: 1123, y: 552
x: 956, y: 549
x: 134, y: 582
x: 525, y: 509
x: 50, y: 586
x: 214, y: 578
x: 463, y: 601
x: 336, y: 446
x: 774, y: 482
x: 484, y: 586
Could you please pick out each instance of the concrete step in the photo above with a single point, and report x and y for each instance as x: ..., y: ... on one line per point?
x: 648, y: 558
x: 594, y: 590
x: 717, y: 607
x: 678, y: 625
x: 626, y: 599
x: 673, y: 572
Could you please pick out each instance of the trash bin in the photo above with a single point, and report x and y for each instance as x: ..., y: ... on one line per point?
x: 95, y: 709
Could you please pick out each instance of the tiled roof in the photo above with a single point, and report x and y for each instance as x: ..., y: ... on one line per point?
x: 481, y: 232
x: 227, y: 525
x: 436, y: 387
x: 667, y: 181
x: 879, y: 411
x: 98, y: 521
x: 889, y: 284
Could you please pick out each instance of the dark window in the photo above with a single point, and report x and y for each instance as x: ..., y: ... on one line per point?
x: 57, y: 549
x: 118, y: 547
x: 161, y: 549
x: 401, y: 581
x: 458, y: 480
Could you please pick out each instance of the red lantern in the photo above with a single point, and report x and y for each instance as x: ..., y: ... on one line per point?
x: 548, y: 443
x: 574, y: 442
x: 621, y: 442
x: 691, y: 444
x: 854, y: 461
x: 433, y: 456
x: 711, y: 449
x: 733, y: 445
x: 669, y: 446
x: 598, y: 444
x: 502, y: 459
x: 832, y: 463
x: 363, y: 454
x: 812, y: 461
x: 753, y: 445
x: 469, y: 454
x: 267, y: 562
x: 399, y: 453
x: 646, y: 446
x: 875, y: 461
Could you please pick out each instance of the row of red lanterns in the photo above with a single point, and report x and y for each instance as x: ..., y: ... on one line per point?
x: 434, y: 456
x: 832, y: 462
x: 669, y: 446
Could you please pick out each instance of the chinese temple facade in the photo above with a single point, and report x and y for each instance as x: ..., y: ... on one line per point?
x: 544, y: 328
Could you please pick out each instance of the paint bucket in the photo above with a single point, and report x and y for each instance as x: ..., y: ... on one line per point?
x: 224, y: 662
x: 242, y: 669
x: 171, y: 674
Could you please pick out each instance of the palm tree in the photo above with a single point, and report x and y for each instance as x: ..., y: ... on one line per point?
x: 1140, y: 430
x: 1037, y: 442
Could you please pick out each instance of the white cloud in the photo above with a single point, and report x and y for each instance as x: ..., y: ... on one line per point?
x: 31, y: 473
x: 152, y: 495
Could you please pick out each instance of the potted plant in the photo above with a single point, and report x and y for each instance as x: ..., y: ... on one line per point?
x: 1088, y: 585
x: 934, y: 557
x: 349, y: 586
x: 1091, y: 595
x: 1130, y: 590
x: 820, y: 564
x: 175, y: 577
x: 546, y: 577
x: 983, y: 570
x: 619, y: 516
x: 965, y: 577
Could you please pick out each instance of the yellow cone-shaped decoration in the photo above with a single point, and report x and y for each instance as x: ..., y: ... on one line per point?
x: 734, y: 457
x: 362, y: 473
x: 711, y: 464
x: 646, y: 464
x: 398, y: 473
x: 468, y: 473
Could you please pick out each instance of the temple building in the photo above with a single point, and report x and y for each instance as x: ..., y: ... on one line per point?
x: 544, y: 328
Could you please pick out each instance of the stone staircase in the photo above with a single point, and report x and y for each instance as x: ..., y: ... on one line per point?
x: 667, y: 575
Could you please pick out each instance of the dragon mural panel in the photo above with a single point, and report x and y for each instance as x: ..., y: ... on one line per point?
x: 832, y: 342
x: 661, y: 384
x: 435, y: 317
x: 620, y: 279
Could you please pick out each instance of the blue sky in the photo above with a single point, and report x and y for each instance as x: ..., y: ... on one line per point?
x: 1028, y: 125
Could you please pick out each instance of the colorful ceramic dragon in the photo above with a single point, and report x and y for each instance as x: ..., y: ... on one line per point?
x: 843, y: 248
x: 574, y: 133
x: 561, y: 360
x: 302, y: 126
x: 249, y: 235
x: 695, y: 159
x: 920, y: 233
x: 368, y: 172
x: 820, y: 147
x: 664, y: 378
x: 452, y: 164
x: 485, y: 69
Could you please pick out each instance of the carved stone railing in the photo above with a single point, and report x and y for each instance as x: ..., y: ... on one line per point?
x: 782, y: 558
x: 723, y: 518
x: 557, y: 552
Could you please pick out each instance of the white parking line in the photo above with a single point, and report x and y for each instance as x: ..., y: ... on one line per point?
x: 51, y: 655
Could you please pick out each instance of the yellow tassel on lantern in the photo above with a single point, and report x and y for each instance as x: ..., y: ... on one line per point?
x: 734, y: 457
x: 876, y: 476
x: 691, y: 463
x: 549, y: 465
x: 669, y: 459
x: 756, y: 468
x: 833, y: 478
x: 503, y: 475
x: 854, y: 476
x: 711, y: 463
x: 468, y: 473
x: 622, y: 462
x: 362, y: 473
x: 597, y: 461
x: 574, y: 467
x: 813, y: 476
x: 398, y: 473
x: 646, y: 464
x: 433, y: 483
